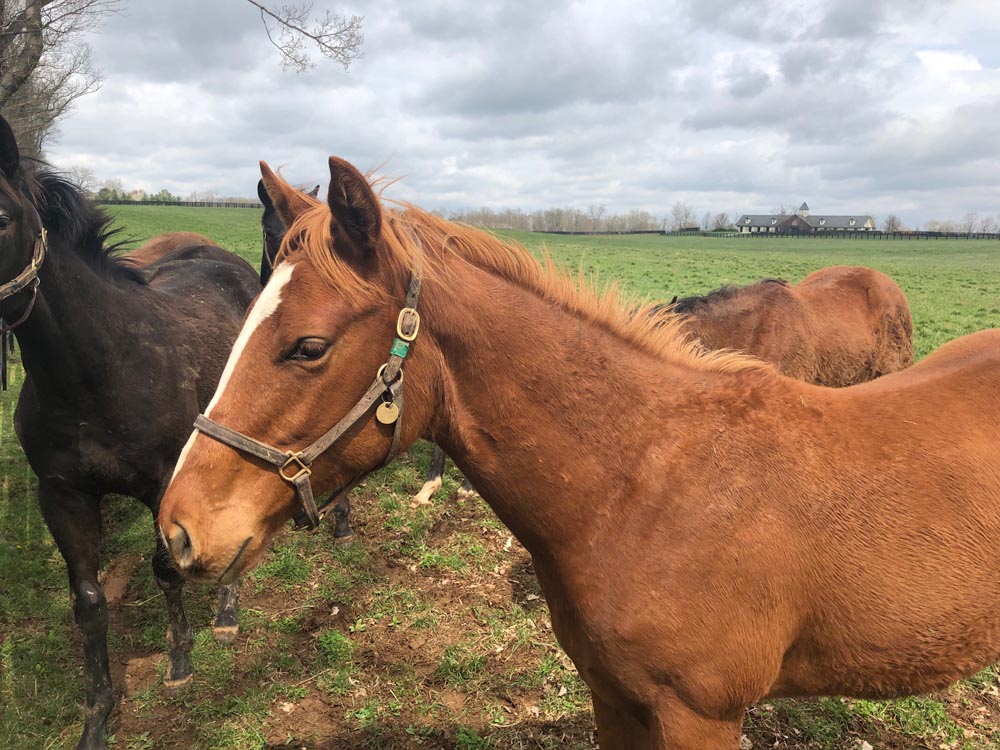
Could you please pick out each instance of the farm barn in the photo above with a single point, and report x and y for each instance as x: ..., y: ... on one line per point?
x: 804, y: 222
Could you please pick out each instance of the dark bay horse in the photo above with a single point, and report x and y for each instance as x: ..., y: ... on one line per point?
x: 119, y: 357
x: 839, y: 326
x: 273, y: 230
x: 707, y: 531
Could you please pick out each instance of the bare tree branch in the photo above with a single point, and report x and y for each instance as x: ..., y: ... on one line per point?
x: 291, y: 27
x: 15, y: 72
x: 44, y: 64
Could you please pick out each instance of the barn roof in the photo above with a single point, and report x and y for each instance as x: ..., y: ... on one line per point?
x: 819, y: 221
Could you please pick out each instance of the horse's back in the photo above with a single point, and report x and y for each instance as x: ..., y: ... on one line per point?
x: 204, y: 270
x: 965, y: 356
x: 164, y: 244
x: 763, y: 319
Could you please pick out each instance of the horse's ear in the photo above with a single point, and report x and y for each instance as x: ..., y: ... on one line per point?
x: 10, y: 157
x: 314, y: 192
x: 357, y: 216
x: 264, y: 197
x: 287, y: 201
x: 674, y: 300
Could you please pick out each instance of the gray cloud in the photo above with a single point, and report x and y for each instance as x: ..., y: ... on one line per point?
x: 634, y: 103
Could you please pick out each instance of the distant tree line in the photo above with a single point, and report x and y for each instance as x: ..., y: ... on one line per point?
x: 971, y: 223
x: 595, y: 218
x: 115, y: 190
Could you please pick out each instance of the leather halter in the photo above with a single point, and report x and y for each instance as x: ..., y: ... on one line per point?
x: 295, y: 466
x: 27, y: 279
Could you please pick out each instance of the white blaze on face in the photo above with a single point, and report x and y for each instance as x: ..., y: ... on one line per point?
x: 265, y: 306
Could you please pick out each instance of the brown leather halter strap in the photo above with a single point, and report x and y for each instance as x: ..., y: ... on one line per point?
x: 294, y: 466
x: 27, y: 279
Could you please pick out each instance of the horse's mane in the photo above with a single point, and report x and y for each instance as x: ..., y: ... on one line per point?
x: 687, y: 305
x: 74, y: 220
x: 412, y: 236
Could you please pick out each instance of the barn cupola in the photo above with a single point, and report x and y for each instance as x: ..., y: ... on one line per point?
x: 804, y: 210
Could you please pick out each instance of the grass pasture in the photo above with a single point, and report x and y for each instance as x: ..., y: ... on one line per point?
x: 429, y: 630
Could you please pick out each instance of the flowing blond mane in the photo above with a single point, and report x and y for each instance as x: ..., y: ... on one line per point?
x: 411, y: 235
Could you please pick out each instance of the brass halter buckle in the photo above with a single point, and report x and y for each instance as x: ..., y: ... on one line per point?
x: 294, y: 460
x: 408, y: 316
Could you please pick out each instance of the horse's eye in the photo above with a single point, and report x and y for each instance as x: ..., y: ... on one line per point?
x: 4, y: 221
x: 308, y: 349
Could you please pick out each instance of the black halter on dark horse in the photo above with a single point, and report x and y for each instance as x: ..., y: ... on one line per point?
x: 118, y: 361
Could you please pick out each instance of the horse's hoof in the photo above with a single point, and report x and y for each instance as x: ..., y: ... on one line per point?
x: 464, y: 494
x: 226, y: 634
x: 426, y: 493
x: 347, y: 538
x: 176, y: 684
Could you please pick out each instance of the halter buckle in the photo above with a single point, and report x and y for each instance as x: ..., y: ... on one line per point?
x: 294, y: 460
x: 408, y: 316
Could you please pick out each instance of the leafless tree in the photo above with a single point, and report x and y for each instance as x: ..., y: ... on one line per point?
x: 721, y: 221
x: 84, y: 177
x: 293, y: 27
x: 596, y: 212
x: 946, y: 225
x: 892, y: 223
x: 681, y: 215
x: 45, y: 65
x: 987, y: 225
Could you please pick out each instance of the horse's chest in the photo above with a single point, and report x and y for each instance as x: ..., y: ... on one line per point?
x: 101, y: 447
x: 590, y: 634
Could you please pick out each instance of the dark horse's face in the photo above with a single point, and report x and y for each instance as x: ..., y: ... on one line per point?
x: 19, y: 221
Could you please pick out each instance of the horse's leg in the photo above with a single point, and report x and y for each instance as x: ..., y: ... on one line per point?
x: 342, y: 518
x: 227, y: 619
x: 75, y: 522
x: 677, y: 726
x: 617, y: 729
x: 432, y: 482
x: 466, y: 491
x: 171, y: 583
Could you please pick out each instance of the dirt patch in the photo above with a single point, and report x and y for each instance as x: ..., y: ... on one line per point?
x: 305, y: 722
x: 116, y: 577
x: 141, y: 673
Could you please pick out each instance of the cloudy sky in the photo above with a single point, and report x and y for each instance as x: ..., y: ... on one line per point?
x: 872, y: 106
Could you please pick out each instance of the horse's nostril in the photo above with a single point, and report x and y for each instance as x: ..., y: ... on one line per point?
x: 180, y: 546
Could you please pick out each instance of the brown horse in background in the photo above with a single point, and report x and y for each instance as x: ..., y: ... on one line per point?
x: 839, y: 326
x: 707, y: 531
x: 162, y: 245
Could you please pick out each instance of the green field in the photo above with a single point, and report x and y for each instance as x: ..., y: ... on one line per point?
x: 429, y: 630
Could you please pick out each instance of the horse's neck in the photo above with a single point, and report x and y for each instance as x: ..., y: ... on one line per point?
x: 724, y: 324
x: 547, y: 414
x: 70, y: 337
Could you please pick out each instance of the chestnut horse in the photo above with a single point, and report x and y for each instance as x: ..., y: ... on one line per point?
x: 162, y: 245
x: 707, y: 531
x: 274, y: 231
x: 839, y: 326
